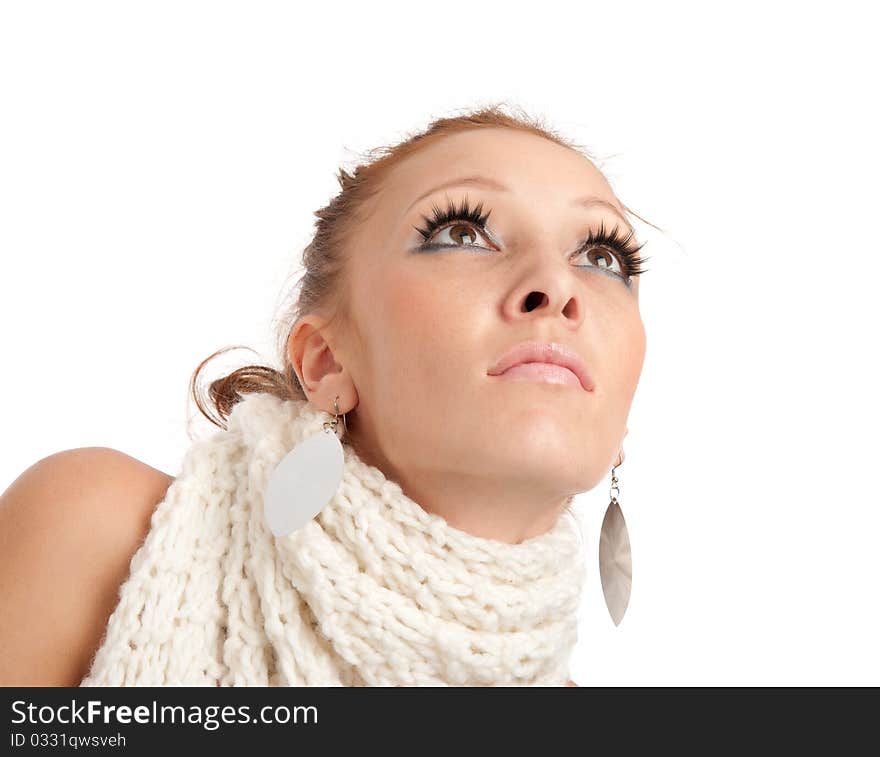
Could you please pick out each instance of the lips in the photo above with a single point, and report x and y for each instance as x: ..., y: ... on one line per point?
x: 553, y: 353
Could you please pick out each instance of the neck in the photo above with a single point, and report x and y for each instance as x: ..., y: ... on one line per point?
x: 477, y: 504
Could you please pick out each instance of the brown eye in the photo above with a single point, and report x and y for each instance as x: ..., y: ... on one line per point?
x: 602, y: 257
x: 460, y: 235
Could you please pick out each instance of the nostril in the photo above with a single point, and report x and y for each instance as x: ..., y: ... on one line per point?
x: 533, y: 301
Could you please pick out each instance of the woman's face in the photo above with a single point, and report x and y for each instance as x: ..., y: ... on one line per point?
x: 431, y: 323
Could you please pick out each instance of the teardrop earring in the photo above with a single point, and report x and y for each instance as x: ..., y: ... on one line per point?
x: 615, y: 555
x: 305, y: 480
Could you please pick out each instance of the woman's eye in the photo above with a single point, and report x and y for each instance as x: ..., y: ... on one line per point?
x: 458, y: 234
x: 602, y: 257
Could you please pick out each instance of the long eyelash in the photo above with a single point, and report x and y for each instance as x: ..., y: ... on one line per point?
x: 451, y: 213
x: 623, y: 246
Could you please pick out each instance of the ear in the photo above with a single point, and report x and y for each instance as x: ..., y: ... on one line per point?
x: 322, y: 377
x: 620, y: 455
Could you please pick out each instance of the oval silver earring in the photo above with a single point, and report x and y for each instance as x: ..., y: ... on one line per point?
x: 306, y: 479
x: 615, y: 554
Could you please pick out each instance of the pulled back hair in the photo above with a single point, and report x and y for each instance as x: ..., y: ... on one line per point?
x: 323, y: 284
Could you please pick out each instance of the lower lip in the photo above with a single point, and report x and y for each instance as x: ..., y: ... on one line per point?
x: 545, y: 372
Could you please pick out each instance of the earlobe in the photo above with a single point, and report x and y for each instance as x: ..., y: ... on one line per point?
x: 620, y: 454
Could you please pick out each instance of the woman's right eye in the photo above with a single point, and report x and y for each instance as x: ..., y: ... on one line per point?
x: 460, y: 235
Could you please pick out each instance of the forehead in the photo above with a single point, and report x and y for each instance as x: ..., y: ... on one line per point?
x: 535, y: 170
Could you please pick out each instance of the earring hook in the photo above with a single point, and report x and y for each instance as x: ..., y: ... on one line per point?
x: 614, y: 480
x: 336, y: 408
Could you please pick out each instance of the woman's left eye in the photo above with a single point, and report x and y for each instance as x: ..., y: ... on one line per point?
x: 460, y: 234
x: 601, y: 257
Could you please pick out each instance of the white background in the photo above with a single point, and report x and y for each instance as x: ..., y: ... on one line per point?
x: 159, y: 167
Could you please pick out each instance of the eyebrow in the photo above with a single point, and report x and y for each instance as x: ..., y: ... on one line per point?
x: 488, y: 183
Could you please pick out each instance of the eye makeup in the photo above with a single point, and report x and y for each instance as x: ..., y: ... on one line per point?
x: 473, y: 221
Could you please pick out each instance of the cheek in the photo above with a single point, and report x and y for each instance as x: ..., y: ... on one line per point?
x: 625, y: 350
x: 424, y: 318
x: 411, y: 330
x: 635, y: 354
x: 406, y: 300
x: 416, y: 360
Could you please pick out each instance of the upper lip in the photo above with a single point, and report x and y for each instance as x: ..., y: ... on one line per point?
x: 544, y: 352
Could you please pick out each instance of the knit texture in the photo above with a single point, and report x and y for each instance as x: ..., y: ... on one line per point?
x: 374, y: 591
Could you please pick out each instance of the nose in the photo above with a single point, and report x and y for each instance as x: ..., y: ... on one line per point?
x: 539, y: 300
x: 547, y: 291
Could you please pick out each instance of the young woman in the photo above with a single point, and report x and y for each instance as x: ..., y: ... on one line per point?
x: 465, y: 347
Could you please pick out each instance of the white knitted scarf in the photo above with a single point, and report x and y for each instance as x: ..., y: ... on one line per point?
x: 374, y: 591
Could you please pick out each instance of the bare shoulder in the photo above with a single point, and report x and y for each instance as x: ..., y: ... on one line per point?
x: 69, y: 526
x: 572, y: 683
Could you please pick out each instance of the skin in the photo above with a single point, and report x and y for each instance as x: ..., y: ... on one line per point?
x: 495, y: 457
